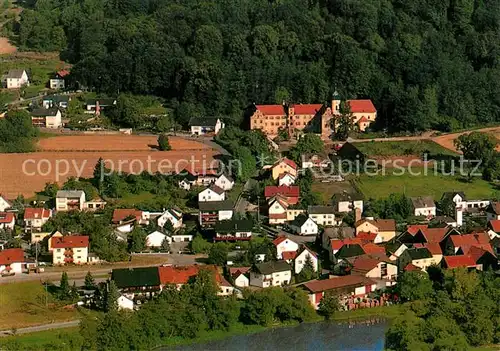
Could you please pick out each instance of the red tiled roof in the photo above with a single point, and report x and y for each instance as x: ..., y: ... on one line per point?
x: 366, y: 236
x: 363, y: 120
x: 286, y: 161
x: 69, y: 241
x: 476, y: 252
x: 280, y: 239
x: 235, y: 271
x: 63, y: 73
x: 283, y: 175
x: 358, y: 106
x: 413, y: 229
x: 485, y: 247
x: 336, y: 244
x: 316, y: 286
x: 289, y: 255
x: 495, y: 225
x: 6, y: 217
x: 120, y: 214
x: 9, y: 256
x: 177, y: 275
x: 271, y: 110
x: 35, y: 213
x: 411, y: 267
x: 469, y: 239
x: 435, y: 235
x: 307, y: 109
x: 459, y: 261
x: 277, y: 216
x: 364, y: 264
x: 373, y: 249
x: 287, y: 191
x: 433, y: 248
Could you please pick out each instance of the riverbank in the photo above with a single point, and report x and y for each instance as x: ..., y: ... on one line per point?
x: 71, y: 336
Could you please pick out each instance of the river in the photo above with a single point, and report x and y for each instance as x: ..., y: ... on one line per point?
x: 359, y: 336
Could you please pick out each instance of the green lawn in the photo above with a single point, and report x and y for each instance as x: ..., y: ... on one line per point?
x: 60, y: 339
x: 326, y: 190
x: 402, y: 148
x: 380, y: 186
x: 235, y: 191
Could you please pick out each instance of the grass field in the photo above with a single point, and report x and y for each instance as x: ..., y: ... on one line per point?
x: 61, y: 339
x: 380, y: 186
x: 23, y: 304
x: 326, y: 190
x: 402, y: 148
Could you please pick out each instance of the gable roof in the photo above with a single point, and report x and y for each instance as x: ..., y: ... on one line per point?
x: 414, y: 228
x: 177, y: 274
x: 7, y: 217
x: 305, y: 248
x: 272, y: 267
x: 280, y: 239
x: 336, y: 244
x: 494, y: 207
x: 422, y: 202
x: 494, y: 224
x: 469, y: 239
x: 286, y: 174
x: 287, y: 161
x: 383, y: 225
x: 459, y: 261
x: 69, y: 241
x: 373, y: 249
x: 364, y: 264
x: 120, y: 214
x: 411, y: 267
x: 236, y: 271
x: 62, y: 73
x: 359, y: 106
x: 234, y: 225
x: 449, y: 195
x: 271, y: 110
x: 15, y: 73
x: 227, y: 176
x: 321, y: 210
x: 44, y: 112
x: 70, y: 193
x: 307, y: 109
x: 341, y: 232
x: 225, y: 205
x: 9, y: 256
x: 215, y: 189
x: 136, y: 277
x: 345, y: 281
x: 418, y: 253
x: 434, y: 235
x: 288, y: 255
x: 35, y: 213
x: 300, y: 220
x: 434, y: 248
x: 288, y: 191
x: 350, y: 250
x: 203, y: 121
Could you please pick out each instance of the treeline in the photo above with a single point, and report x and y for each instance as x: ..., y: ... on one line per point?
x: 448, y: 310
x: 17, y: 134
x: 190, y: 312
x: 424, y: 64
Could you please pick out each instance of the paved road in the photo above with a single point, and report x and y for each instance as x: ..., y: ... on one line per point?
x: 242, y: 203
x: 43, y: 327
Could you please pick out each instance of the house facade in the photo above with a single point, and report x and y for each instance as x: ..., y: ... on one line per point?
x: 233, y: 230
x: 384, y: 228
x: 55, y: 101
x: 4, y: 204
x: 423, y: 206
x: 58, y: 80
x: 35, y: 218
x: 277, y: 211
x: 171, y: 215
x: 12, y: 261
x: 155, y: 239
x: 224, y: 182
x: 289, y: 193
x: 300, y: 260
x: 303, y: 225
x: 272, y: 273
x: 7, y: 220
x: 46, y: 118
x: 286, y: 179
x: 69, y: 249
x: 284, y: 166
x: 322, y: 215
x: 212, y: 193
x: 16, y: 78
x: 202, y: 126
x: 213, y: 211
x: 284, y: 244
x: 346, y: 202
x: 69, y: 200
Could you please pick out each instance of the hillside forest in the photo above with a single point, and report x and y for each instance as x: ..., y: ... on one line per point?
x: 424, y: 63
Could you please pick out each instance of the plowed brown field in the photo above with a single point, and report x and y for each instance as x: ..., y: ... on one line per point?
x: 114, y: 143
x: 6, y: 47
x: 28, y: 173
x: 447, y: 140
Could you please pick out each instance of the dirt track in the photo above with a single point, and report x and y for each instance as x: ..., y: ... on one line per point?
x: 6, y: 47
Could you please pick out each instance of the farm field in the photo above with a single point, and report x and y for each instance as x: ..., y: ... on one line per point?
x: 448, y: 139
x: 28, y: 173
x: 402, y: 148
x: 380, y: 186
x: 113, y: 143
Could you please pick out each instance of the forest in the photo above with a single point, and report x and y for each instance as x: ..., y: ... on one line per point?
x: 424, y: 63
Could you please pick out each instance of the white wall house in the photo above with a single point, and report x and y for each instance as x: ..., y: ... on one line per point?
x: 4, y: 204
x: 57, y: 80
x: 224, y: 182
x: 282, y: 244
x: 7, y: 220
x: 212, y: 193
x: 124, y: 303
x: 67, y: 200
x: 12, y: 261
x: 301, y: 259
x: 272, y: 273
x: 16, y: 78
x: 423, y: 206
x: 286, y: 179
x: 46, y: 118
x: 277, y: 210
x: 303, y: 225
x: 345, y: 202
x: 171, y: 215
x: 35, y: 218
x: 201, y: 126
x: 322, y: 215
x: 155, y: 239
x: 69, y: 249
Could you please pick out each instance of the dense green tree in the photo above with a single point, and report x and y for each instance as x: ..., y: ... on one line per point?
x: 111, y: 297
x: 163, y: 143
x: 329, y: 305
x: 218, y: 254
x: 64, y: 288
x: 414, y: 285
x: 89, y: 282
x: 137, y: 239
x: 199, y: 245
x: 307, y: 272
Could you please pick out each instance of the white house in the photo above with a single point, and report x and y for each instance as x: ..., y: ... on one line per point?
x: 323, y: 215
x: 46, y: 118
x: 467, y: 205
x: 69, y: 249
x: 201, y: 126
x: 272, y: 273
x: 4, y: 204
x: 277, y: 210
x: 7, y: 220
x: 53, y: 101
x: 283, y: 244
x: 178, y: 237
x: 124, y: 303
x: 212, y: 193
x: 233, y: 230
x: 395, y: 251
x: 423, y: 206
x: 16, y: 78
x: 301, y: 259
x: 224, y: 182
x: 303, y: 225
x: 315, y: 161
x: 12, y: 261
x: 213, y: 211
x: 376, y: 268
x: 286, y: 179
x: 155, y: 239
x: 35, y: 218
x: 171, y: 215
x: 346, y: 202
x: 57, y: 81
x: 67, y: 200
x: 240, y: 276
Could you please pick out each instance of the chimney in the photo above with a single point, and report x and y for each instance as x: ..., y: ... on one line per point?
x: 459, y: 216
x: 357, y: 214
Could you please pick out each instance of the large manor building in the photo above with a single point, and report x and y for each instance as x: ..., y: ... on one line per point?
x: 314, y: 118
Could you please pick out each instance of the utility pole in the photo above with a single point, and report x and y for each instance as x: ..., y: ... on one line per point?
x: 36, y: 257
x: 258, y: 211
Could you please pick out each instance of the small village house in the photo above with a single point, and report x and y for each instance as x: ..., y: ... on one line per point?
x: 96, y: 106
x: 319, y: 160
x: 335, y: 233
x: 423, y: 206
x: 213, y: 211
x: 46, y: 118
x: 345, y: 287
x: 57, y: 81
x: 419, y: 257
x: 126, y: 215
x: 379, y: 269
x: 69, y: 249
x: 55, y: 101
x: 283, y: 166
x: 286, y: 179
x: 303, y: 225
x: 94, y: 204
x: 7, y: 220
x: 423, y: 234
x: 272, y: 273
x: 305, y: 255
x: 460, y: 261
x: 172, y: 215
x: 460, y: 200
x: 225, y: 182
x: 124, y: 303
x: 35, y: 218
x: 37, y: 237
x: 453, y: 243
x: 289, y: 193
x: 205, y: 125
x: 15, y: 79
x: 12, y: 261
x: 493, y: 211
x: 4, y: 204
x: 284, y: 244
x: 494, y: 228
x: 385, y: 229
x: 240, y: 276
x: 346, y: 202
x: 155, y: 239
x: 212, y: 193
x: 322, y: 215
x: 277, y: 210
x: 395, y: 250
x: 137, y: 283
x: 233, y: 230
x: 70, y: 200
